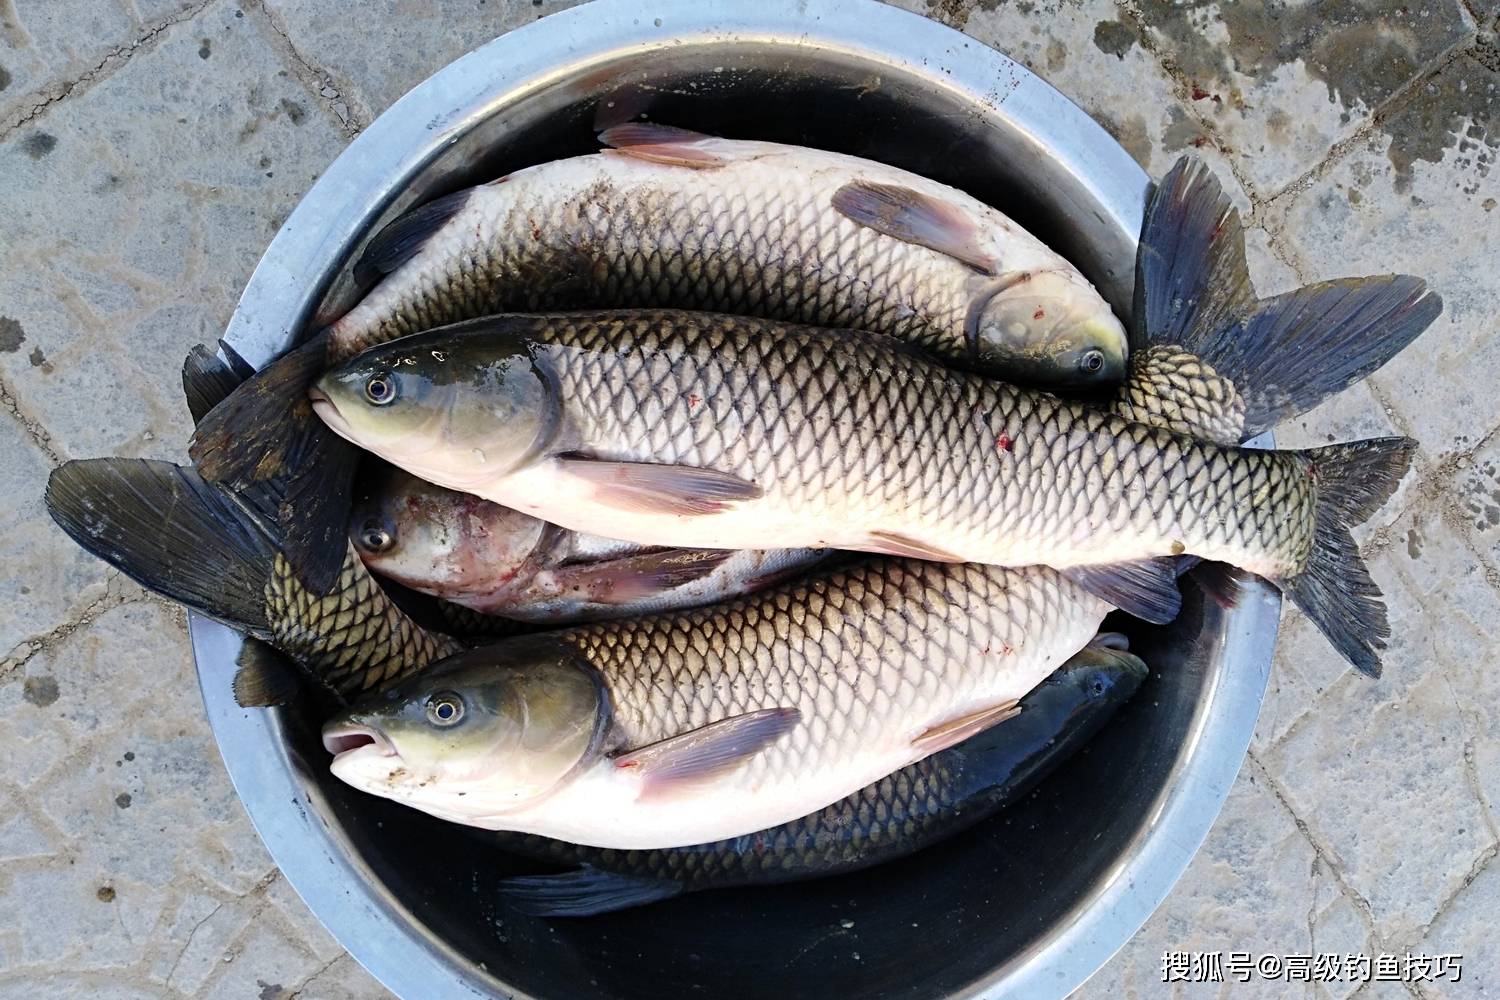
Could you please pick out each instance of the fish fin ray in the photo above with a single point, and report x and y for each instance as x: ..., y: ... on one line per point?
x: 1280, y: 356
x: 634, y: 577
x: 678, y: 147
x: 207, y: 380
x: 1335, y: 589
x: 1191, y: 276
x: 1297, y: 349
x: 660, y: 489
x: 788, y: 573
x: 584, y: 892
x: 1220, y: 581
x: 403, y: 237
x: 263, y: 677
x: 893, y: 543
x: 709, y: 751
x: 265, y: 432
x: 168, y: 530
x: 914, y: 217
x: 955, y: 731
x: 314, y: 516
x: 1145, y: 588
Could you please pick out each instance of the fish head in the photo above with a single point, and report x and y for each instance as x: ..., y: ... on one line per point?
x: 1058, y: 717
x: 455, y: 409
x: 1048, y: 328
x: 1102, y: 671
x: 439, y: 541
x: 481, y: 734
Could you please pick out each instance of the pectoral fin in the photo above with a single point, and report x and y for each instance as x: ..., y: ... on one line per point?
x: 892, y: 543
x: 403, y: 238
x: 1146, y: 588
x: 677, y: 147
x: 660, y: 489
x: 955, y: 731
x: 707, y: 752
x: 584, y: 892
x: 914, y: 217
x: 633, y: 578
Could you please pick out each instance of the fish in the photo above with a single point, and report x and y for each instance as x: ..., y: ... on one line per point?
x: 693, y: 726
x: 704, y: 430
x: 499, y: 561
x: 669, y: 218
x: 1186, y: 374
x: 904, y: 812
x: 666, y: 217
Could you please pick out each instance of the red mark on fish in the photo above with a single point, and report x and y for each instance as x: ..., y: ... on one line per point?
x: 1003, y: 443
x: 1199, y: 93
x: 693, y: 400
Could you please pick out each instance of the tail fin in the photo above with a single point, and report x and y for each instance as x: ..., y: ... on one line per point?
x: 1279, y: 357
x: 165, y: 528
x: 207, y: 380
x: 1190, y: 271
x: 266, y: 431
x: 1335, y: 589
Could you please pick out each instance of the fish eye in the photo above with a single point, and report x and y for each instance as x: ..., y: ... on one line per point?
x: 1092, y: 360
x: 380, y: 389
x: 445, y: 708
x: 1097, y: 687
x: 373, y: 537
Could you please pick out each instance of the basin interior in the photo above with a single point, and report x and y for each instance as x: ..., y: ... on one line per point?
x: 938, y: 922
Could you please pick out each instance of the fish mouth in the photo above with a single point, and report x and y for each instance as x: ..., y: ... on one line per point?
x: 345, y: 738
x: 328, y: 411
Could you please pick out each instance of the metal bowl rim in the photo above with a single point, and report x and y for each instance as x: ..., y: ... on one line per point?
x: 310, y: 851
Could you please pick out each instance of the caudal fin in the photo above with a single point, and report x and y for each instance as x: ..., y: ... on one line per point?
x: 266, y: 432
x: 207, y: 379
x: 168, y: 530
x: 1335, y: 589
x: 1272, y: 358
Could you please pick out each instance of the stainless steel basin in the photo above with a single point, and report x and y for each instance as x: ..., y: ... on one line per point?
x: 1029, y: 904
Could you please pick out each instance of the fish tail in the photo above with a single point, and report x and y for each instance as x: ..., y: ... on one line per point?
x: 265, y: 431
x: 208, y: 379
x: 168, y: 530
x: 1335, y: 589
x: 1280, y: 356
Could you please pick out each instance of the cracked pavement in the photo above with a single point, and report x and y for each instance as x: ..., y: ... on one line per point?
x: 149, y: 149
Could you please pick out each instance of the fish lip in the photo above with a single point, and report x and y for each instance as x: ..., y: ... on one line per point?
x: 344, y: 738
x: 328, y: 411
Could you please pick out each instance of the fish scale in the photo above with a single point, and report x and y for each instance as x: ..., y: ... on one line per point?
x: 1026, y: 477
x: 873, y: 649
x: 758, y: 235
x: 354, y: 638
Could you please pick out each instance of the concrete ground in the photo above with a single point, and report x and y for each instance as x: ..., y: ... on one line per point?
x: 149, y: 149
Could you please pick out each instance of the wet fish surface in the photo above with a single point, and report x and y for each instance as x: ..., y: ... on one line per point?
x: 699, y: 725
x: 672, y: 218
x: 706, y: 431
x: 904, y: 812
x: 499, y: 561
